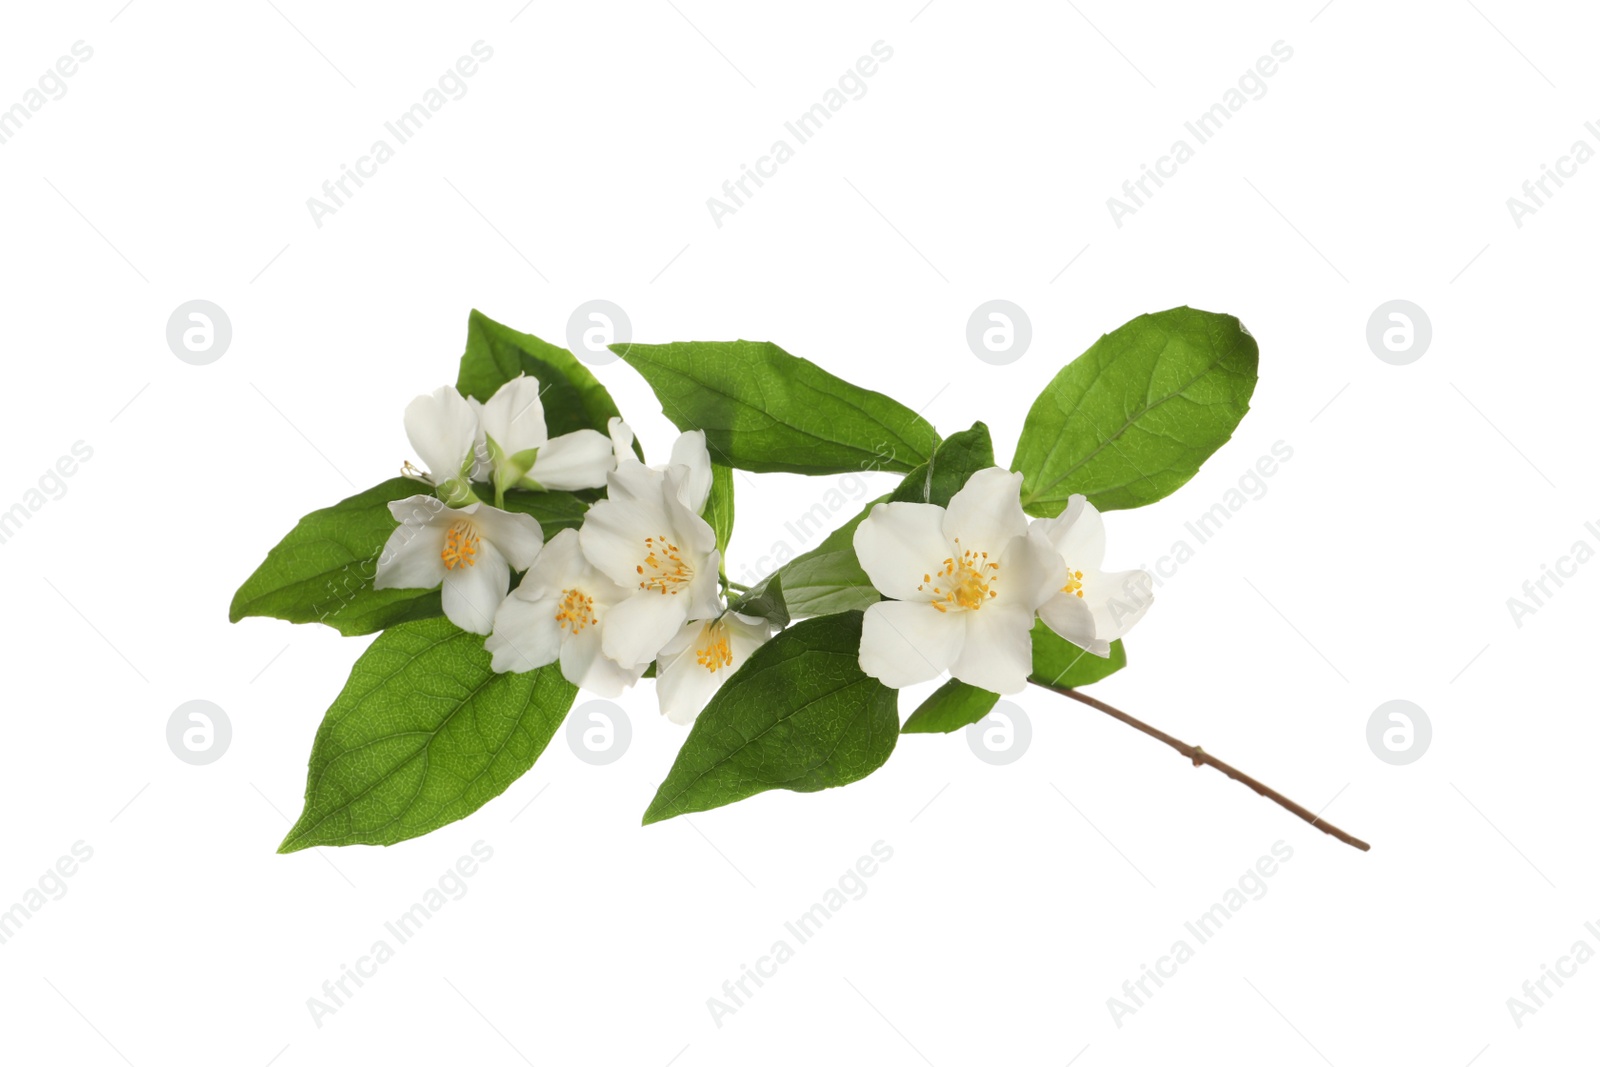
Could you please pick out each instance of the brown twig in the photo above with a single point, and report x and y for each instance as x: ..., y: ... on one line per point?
x: 1197, y: 756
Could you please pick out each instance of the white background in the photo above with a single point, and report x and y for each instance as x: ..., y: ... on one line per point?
x: 1019, y: 899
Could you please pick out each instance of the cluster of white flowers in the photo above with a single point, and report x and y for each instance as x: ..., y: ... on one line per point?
x: 966, y: 582
x: 639, y: 581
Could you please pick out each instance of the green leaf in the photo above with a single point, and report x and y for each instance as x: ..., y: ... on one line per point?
x: 573, y: 398
x: 423, y: 734
x: 719, y: 506
x: 555, y: 509
x: 950, y: 707
x: 1132, y: 419
x: 828, y: 579
x: 765, y: 601
x: 1060, y: 663
x: 958, y: 457
x: 765, y: 410
x: 323, y: 570
x: 798, y: 715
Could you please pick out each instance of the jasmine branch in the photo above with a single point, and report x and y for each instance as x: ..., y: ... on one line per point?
x: 1199, y: 756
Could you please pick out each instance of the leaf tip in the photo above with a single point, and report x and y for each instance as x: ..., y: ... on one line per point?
x: 297, y: 838
x: 660, y: 810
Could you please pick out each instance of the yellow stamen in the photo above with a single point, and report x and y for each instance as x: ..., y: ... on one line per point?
x: 1074, y: 586
x: 663, y: 569
x: 964, y: 583
x: 713, y: 652
x: 575, y: 611
x: 460, y: 546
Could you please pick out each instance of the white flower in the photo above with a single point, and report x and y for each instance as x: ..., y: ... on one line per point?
x: 1093, y: 607
x: 701, y: 657
x: 469, y: 551
x: 559, y: 612
x: 966, y: 581
x: 646, y: 537
x: 443, y: 429
x: 688, y: 453
x: 516, y: 450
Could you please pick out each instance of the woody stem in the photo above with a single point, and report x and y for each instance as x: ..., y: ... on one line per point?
x: 1199, y: 756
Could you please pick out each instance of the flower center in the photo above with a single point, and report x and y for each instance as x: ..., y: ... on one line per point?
x: 962, y: 582
x: 663, y: 569
x: 574, y: 611
x: 713, y: 653
x: 1074, y: 586
x: 460, y: 545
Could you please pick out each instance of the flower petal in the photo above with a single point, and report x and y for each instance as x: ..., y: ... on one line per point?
x: 621, y: 440
x: 517, y: 536
x: 694, y: 485
x: 703, y: 593
x: 1117, y: 600
x: 514, y: 416
x: 411, y: 558
x: 577, y: 460
x: 1071, y: 620
x: 587, y: 667
x: 1031, y: 572
x: 1079, y: 534
x: 746, y: 633
x: 422, y: 509
x: 684, y: 685
x: 482, y: 468
x: 903, y: 643
x: 897, y: 544
x: 614, y: 529
x: 558, y: 567
x: 997, y: 654
x: 986, y: 513
x: 442, y: 428
x: 605, y: 593
x: 640, y: 627
x: 526, y: 635
x: 472, y: 594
